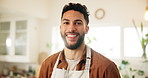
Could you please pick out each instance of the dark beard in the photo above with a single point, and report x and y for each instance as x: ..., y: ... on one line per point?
x: 75, y: 46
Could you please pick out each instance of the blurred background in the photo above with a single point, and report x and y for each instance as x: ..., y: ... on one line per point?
x: 29, y: 33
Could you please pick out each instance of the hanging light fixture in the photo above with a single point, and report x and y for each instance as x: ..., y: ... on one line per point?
x: 146, y: 13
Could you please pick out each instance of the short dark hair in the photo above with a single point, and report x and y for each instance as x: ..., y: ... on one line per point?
x: 77, y: 7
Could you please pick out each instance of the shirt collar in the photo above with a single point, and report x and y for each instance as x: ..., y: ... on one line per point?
x: 63, y: 60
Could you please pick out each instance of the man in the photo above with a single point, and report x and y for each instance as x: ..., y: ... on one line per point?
x: 77, y: 60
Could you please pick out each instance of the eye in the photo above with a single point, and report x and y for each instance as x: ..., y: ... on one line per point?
x: 78, y: 23
x: 66, y: 23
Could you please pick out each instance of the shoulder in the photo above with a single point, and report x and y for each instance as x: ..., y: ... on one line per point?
x: 47, y: 66
x: 100, y: 60
x: 51, y: 59
x: 107, y: 67
x: 49, y: 62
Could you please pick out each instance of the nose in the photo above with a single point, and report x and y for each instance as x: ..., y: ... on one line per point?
x: 72, y: 28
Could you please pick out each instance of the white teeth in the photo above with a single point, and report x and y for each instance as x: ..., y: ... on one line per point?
x: 71, y: 35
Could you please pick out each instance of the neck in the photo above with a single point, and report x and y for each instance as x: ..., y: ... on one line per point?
x: 74, y: 54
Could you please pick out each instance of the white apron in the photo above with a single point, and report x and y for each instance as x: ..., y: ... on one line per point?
x: 61, y: 73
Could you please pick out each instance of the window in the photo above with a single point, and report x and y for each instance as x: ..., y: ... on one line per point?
x: 57, y: 42
x: 132, y: 45
x: 105, y: 40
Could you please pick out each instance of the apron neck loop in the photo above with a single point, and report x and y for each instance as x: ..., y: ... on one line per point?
x: 88, y: 58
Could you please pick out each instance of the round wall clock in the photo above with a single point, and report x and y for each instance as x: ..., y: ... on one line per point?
x: 99, y: 13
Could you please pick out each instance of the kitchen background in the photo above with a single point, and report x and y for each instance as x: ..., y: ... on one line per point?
x: 29, y: 32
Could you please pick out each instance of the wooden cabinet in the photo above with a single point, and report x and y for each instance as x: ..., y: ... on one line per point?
x: 19, y: 40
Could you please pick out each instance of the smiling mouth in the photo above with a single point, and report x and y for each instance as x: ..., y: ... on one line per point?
x: 71, y: 35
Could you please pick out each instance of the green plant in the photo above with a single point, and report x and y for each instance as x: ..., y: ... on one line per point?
x: 136, y: 71
x: 123, y: 69
x: 143, y: 38
x: 90, y: 40
x: 128, y: 71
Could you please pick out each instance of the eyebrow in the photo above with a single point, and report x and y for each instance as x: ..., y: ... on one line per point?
x: 78, y: 20
x: 74, y: 20
x: 65, y: 20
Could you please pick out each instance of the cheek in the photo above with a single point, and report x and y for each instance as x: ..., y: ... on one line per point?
x: 62, y: 28
x: 81, y: 31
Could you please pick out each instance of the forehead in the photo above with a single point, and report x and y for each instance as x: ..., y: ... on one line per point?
x: 73, y: 15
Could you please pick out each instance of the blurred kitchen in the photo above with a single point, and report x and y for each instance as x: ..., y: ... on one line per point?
x: 29, y: 33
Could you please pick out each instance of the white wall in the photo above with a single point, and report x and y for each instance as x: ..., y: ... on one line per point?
x: 118, y: 12
x: 39, y: 8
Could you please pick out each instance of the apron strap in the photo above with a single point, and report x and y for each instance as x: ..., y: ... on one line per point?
x: 56, y: 64
x: 88, y: 58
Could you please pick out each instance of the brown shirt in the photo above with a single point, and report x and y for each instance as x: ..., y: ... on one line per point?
x: 100, y: 67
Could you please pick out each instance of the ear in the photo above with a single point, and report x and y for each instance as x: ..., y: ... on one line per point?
x: 60, y: 27
x: 86, y: 29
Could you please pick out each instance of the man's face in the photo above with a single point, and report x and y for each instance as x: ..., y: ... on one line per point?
x: 73, y: 28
